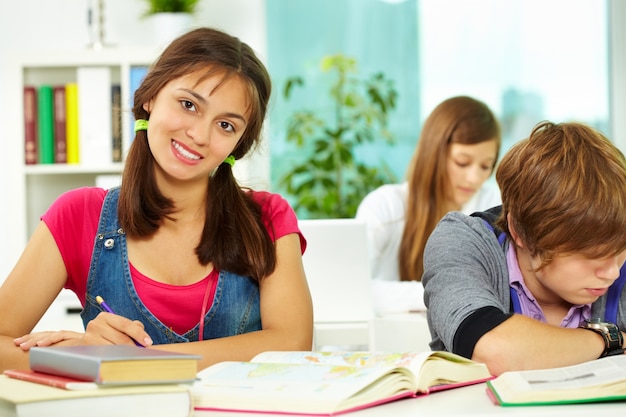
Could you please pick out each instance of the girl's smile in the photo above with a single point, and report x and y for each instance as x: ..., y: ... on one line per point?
x: 185, y: 154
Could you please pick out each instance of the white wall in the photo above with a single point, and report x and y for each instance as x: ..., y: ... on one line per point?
x: 617, y: 52
x: 31, y: 25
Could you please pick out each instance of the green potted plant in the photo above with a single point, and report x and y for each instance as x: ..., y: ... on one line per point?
x: 326, y: 179
x: 170, y: 18
x: 171, y: 6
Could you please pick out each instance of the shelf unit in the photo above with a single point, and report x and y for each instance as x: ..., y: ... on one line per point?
x: 32, y: 188
x: 35, y: 187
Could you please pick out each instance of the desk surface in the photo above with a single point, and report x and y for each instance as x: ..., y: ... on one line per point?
x: 460, y: 402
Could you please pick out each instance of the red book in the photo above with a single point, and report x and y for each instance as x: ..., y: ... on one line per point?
x: 51, y: 380
x: 60, y: 136
x: 30, y: 125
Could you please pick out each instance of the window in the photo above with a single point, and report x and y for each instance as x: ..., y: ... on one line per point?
x: 529, y: 60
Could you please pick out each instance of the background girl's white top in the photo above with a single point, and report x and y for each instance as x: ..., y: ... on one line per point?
x: 384, y: 211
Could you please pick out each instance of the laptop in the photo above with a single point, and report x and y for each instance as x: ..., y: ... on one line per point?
x: 338, y: 272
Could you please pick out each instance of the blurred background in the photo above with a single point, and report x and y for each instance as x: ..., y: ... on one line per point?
x: 529, y: 60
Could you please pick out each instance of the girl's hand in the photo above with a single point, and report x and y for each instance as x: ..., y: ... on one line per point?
x: 111, y: 329
x: 48, y: 338
x: 105, y: 329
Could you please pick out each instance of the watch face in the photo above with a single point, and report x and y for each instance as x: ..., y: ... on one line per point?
x: 610, y: 332
x: 598, y: 325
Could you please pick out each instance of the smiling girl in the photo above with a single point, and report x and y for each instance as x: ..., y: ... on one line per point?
x: 189, y: 260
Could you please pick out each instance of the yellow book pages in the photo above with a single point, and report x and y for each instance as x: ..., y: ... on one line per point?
x: 71, y: 120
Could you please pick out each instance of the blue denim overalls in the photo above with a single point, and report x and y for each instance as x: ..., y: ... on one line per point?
x: 235, y: 308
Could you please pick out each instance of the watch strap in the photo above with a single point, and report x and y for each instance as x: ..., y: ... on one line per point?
x: 612, y: 339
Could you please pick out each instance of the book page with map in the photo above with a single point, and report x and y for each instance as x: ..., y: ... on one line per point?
x: 328, y: 383
x: 434, y: 371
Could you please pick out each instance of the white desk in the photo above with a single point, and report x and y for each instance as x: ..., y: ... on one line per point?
x: 400, y: 333
x: 462, y: 402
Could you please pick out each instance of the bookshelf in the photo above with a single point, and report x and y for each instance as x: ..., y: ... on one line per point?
x: 32, y: 188
x: 36, y: 186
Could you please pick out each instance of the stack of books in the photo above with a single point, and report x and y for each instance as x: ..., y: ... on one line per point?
x: 109, y: 380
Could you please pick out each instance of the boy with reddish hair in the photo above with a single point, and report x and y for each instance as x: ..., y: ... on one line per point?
x: 537, y: 282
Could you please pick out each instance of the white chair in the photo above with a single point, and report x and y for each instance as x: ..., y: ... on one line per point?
x: 337, y: 269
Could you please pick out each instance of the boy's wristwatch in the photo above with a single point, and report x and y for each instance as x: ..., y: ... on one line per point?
x: 613, y: 338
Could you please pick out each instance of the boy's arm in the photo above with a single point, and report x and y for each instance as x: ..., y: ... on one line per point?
x: 521, y: 343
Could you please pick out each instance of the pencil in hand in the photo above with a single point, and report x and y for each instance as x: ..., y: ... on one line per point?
x: 108, y: 309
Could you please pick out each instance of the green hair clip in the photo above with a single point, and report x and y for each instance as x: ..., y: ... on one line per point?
x: 230, y: 160
x: 141, y: 125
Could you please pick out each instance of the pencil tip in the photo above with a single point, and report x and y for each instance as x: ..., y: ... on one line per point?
x: 99, y: 299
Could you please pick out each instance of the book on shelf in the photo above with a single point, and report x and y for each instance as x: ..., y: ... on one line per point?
x: 115, y: 364
x: 71, y: 123
x: 45, y: 124
x: 23, y: 398
x: 116, y: 122
x: 31, y: 155
x: 136, y: 75
x: 329, y: 383
x: 60, y: 137
x: 94, y: 115
x: 600, y: 380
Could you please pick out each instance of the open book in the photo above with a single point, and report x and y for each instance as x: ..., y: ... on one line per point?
x: 594, y: 381
x: 329, y: 383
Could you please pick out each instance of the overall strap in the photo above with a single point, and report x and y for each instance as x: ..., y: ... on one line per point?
x: 613, y: 296
x: 517, y: 308
x: 501, y: 237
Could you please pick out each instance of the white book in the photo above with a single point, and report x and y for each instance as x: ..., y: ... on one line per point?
x: 94, y: 115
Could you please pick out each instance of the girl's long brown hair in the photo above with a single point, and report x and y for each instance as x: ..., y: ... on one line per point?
x: 234, y: 237
x: 463, y: 120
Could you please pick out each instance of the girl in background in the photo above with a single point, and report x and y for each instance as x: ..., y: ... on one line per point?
x: 456, y: 153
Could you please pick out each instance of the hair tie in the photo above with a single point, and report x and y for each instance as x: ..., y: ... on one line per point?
x: 230, y: 160
x: 141, y: 124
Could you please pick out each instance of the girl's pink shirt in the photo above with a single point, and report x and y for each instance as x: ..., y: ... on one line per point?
x: 73, y: 221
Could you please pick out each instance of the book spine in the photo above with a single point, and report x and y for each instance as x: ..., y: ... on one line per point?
x: 116, y: 121
x: 94, y: 115
x: 45, y: 117
x: 30, y: 125
x: 137, y: 74
x: 51, y: 380
x: 71, y: 123
x: 60, y: 137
